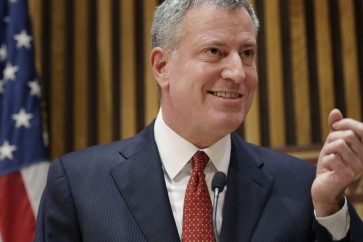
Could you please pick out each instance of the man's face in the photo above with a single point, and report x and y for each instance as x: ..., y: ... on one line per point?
x: 211, y: 77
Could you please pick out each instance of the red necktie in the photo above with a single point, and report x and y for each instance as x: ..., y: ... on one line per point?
x: 197, y: 213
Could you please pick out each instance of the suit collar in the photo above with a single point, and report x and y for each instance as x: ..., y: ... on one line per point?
x: 175, y: 151
x: 248, y: 191
x: 141, y: 170
x: 140, y: 180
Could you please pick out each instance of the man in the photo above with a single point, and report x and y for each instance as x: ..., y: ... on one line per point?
x: 133, y: 190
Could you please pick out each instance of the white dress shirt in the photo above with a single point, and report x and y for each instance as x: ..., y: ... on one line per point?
x: 176, y: 153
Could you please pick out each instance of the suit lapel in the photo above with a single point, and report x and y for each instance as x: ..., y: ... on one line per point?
x: 140, y: 180
x: 248, y: 189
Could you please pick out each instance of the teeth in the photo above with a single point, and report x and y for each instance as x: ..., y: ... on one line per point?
x: 226, y: 94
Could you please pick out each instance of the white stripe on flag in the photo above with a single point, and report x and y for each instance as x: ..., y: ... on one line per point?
x: 34, y: 178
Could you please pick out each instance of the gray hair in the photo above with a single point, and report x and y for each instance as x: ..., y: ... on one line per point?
x: 168, y: 17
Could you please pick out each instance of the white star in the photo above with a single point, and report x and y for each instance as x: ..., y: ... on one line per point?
x: 22, y: 118
x: 3, y: 53
x: 2, y: 84
x: 12, y: 1
x: 35, y: 89
x: 23, y: 39
x: 6, y: 151
x: 9, y: 72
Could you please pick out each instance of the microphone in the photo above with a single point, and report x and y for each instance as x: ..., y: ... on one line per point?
x: 218, y: 183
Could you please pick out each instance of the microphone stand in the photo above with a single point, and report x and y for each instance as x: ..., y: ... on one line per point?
x: 218, y: 183
x: 215, y: 203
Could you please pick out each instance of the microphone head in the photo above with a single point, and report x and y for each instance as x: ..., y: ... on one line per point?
x: 219, y: 180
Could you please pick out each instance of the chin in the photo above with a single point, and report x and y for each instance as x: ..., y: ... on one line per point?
x: 229, y: 124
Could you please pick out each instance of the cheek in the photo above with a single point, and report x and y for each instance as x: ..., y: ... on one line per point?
x: 190, y: 80
x: 252, y: 80
x: 252, y: 83
x: 251, y: 94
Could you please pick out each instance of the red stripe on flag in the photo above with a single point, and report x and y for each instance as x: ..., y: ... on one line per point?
x: 17, y: 220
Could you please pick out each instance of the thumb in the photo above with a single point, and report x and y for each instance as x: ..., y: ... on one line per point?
x: 334, y: 116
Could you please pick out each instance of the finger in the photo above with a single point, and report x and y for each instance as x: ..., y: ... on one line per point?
x: 331, y: 162
x: 351, y: 138
x: 334, y: 163
x: 334, y: 116
x: 344, y: 154
x: 349, y: 124
x: 343, y: 174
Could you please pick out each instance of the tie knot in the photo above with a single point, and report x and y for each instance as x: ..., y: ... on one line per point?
x: 200, y: 160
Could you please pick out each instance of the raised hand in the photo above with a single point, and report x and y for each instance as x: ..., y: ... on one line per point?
x: 340, y: 163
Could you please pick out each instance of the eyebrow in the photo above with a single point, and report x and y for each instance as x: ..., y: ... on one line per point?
x: 248, y: 44
x: 214, y: 42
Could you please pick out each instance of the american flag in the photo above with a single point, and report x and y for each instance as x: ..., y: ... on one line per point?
x: 23, y: 149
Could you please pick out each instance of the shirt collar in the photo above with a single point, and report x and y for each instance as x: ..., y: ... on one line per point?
x: 175, y: 151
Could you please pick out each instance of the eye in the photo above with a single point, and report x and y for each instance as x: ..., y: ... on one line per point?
x: 212, y: 54
x: 248, y: 53
x: 213, y: 51
x: 248, y: 57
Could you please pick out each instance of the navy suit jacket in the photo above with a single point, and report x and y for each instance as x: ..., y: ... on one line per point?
x: 117, y: 192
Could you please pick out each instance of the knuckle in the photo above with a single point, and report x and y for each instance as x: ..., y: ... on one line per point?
x: 350, y: 135
x: 326, y: 159
x: 341, y: 143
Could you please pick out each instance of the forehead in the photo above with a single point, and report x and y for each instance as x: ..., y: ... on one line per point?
x: 217, y: 20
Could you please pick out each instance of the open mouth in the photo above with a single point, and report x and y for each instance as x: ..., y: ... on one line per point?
x: 229, y: 95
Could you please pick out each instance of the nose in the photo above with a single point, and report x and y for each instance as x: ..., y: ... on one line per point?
x: 233, y: 69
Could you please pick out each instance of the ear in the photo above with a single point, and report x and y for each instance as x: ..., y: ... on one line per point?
x: 159, y: 61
